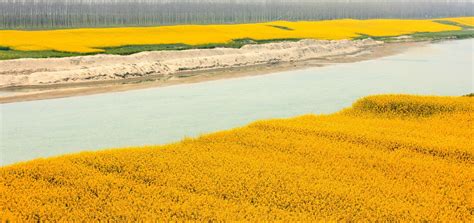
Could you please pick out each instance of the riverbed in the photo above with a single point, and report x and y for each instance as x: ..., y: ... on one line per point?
x: 45, y: 128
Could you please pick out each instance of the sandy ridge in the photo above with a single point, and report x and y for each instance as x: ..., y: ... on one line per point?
x: 27, y: 72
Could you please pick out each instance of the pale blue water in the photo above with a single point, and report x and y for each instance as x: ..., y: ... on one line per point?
x: 161, y: 115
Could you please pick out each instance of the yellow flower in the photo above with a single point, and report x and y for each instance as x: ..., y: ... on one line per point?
x: 388, y: 158
x: 467, y: 21
x: 92, y: 40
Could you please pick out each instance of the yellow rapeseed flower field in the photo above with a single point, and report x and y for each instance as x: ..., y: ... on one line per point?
x: 94, y: 39
x: 388, y: 158
x: 467, y: 21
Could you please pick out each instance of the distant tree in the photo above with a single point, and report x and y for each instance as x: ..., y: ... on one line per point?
x: 46, y: 14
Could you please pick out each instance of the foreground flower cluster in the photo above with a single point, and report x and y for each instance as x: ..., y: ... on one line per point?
x: 96, y: 39
x: 387, y: 158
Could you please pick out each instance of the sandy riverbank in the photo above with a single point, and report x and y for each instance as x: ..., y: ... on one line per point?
x: 35, y: 79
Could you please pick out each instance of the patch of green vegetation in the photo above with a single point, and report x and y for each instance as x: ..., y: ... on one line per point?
x: 131, y: 49
x: 364, y: 36
x: 277, y: 40
x: 423, y: 36
x: 469, y: 95
x: 7, y: 53
x: 281, y: 27
x: 459, y: 34
x: 379, y: 38
x: 465, y: 33
x: 445, y: 22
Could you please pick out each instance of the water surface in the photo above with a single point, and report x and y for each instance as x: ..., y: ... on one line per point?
x: 161, y: 115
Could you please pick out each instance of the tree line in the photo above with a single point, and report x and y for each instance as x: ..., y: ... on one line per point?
x: 47, y: 14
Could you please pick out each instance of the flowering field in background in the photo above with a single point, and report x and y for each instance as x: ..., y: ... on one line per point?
x: 388, y: 158
x: 94, y: 40
x: 467, y: 21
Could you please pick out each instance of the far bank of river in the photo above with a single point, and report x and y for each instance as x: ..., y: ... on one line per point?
x: 37, y: 79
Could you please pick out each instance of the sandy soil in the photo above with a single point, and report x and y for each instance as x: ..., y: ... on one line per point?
x: 35, y: 79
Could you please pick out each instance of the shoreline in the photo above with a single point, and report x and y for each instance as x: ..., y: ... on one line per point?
x: 52, y: 91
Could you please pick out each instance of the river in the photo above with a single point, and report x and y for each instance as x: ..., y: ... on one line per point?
x: 54, y: 127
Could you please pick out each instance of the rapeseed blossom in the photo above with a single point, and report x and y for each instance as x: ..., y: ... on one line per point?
x: 467, y: 21
x: 94, y: 40
x: 388, y: 158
